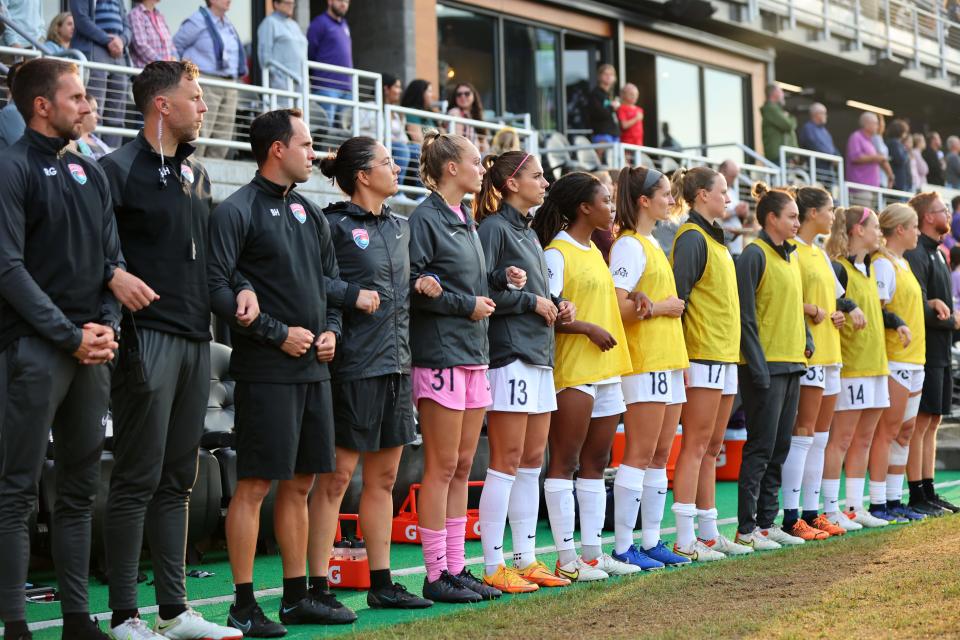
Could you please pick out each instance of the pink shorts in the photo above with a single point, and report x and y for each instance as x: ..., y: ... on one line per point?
x: 456, y: 388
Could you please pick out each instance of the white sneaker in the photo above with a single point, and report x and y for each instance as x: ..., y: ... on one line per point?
x: 134, y: 629
x: 190, y: 625
x: 867, y: 519
x: 781, y: 537
x: 580, y: 570
x: 699, y: 552
x: 727, y: 547
x: 757, y: 541
x: 841, y: 520
x: 612, y: 567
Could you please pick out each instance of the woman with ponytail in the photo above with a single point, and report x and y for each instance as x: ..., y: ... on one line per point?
x: 775, y: 344
x: 450, y: 353
x: 521, y: 370
x: 707, y: 284
x: 591, y: 355
x: 824, y: 309
x: 864, y: 395
x: 654, y: 391
x: 900, y: 293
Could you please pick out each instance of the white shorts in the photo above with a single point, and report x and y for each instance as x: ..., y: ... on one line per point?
x: 607, y: 398
x: 655, y: 386
x: 714, y: 376
x: 908, y: 375
x: 520, y: 387
x: 826, y: 377
x: 863, y: 393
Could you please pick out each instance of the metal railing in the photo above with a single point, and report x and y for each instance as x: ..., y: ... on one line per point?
x: 803, y: 166
x: 875, y: 198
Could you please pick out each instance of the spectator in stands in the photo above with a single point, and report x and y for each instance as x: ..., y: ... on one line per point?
x: 151, y: 41
x: 630, y: 115
x: 88, y: 143
x: 955, y: 275
x: 282, y: 47
x: 897, y: 135
x: 667, y: 141
x: 604, y: 238
x: 404, y: 152
x: 813, y: 135
x: 103, y: 35
x: 208, y: 39
x: 863, y: 160
x: 886, y: 171
x: 329, y: 42
x: 737, y: 210
x: 934, y: 157
x: 28, y: 14
x: 918, y: 166
x: 60, y: 33
x: 778, y: 127
x: 952, y: 163
x: 955, y: 219
x: 418, y: 95
x: 505, y: 140
x: 12, y: 125
x: 602, y: 106
x: 466, y: 104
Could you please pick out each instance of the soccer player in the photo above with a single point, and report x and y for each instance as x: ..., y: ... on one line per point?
x: 521, y: 375
x: 592, y: 354
x: 654, y: 392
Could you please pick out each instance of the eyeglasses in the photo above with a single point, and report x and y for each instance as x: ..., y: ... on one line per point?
x: 388, y: 161
x: 943, y: 211
x: 464, y: 94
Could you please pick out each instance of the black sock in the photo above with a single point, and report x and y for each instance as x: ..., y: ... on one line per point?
x: 916, y: 491
x: 893, y: 504
x: 243, y: 595
x: 15, y: 629
x: 878, y: 507
x: 75, y: 620
x: 122, y: 615
x: 809, y: 516
x: 294, y: 589
x: 171, y: 611
x: 928, y: 489
x: 318, y: 584
x: 790, y: 517
x: 380, y: 579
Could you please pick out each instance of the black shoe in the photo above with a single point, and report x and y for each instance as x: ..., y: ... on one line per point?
x: 449, y: 588
x: 253, y: 623
x: 88, y: 630
x: 927, y: 508
x: 938, y: 501
x: 317, y: 609
x: 486, y: 591
x: 395, y: 596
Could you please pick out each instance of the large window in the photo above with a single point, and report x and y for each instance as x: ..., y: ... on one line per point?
x: 531, y: 84
x: 724, y: 113
x: 581, y: 57
x: 678, y: 101
x: 467, y: 47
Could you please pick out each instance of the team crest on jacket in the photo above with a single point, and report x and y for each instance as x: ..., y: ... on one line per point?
x: 186, y: 173
x: 361, y: 237
x: 78, y: 173
x: 298, y: 212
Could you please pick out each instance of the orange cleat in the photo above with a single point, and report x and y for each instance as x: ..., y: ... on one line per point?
x: 509, y: 581
x: 823, y: 523
x: 802, y: 530
x: 540, y: 575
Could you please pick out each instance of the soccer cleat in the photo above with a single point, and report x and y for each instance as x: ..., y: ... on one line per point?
x: 471, y: 582
x: 134, y: 629
x: 509, y: 581
x: 927, y: 508
x: 904, y: 511
x: 580, y: 570
x: 699, y: 552
x: 866, y: 519
x: 804, y: 531
x: 728, y: 548
x: 939, y: 501
x: 253, y: 623
x: 661, y: 553
x: 781, y: 537
x: 395, y: 596
x: 316, y: 609
x: 190, y: 625
x: 823, y: 523
x: 756, y: 541
x: 615, y: 567
x: 86, y: 630
x: 885, y: 514
x: 636, y: 557
x: 538, y: 573
x: 448, y: 588
x: 842, y: 520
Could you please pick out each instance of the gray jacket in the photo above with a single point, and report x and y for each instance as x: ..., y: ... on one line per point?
x: 89, y: 34
x: 442, y: 335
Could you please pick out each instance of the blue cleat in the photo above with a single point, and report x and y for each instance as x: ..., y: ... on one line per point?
x: 638, y: 558
x: 661, y: 553
x: 889, y: 516
x: 904, y: 511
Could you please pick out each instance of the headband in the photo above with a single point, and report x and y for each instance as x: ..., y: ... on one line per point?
x: 653, y: 177
x: 522, y: 162
x: 866, y: 214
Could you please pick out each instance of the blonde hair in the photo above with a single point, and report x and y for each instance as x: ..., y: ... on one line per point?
x: 53, y: 32
x: 438, y: 149
x: 685, y: 183
x: 845, y: 219
x: 894, y: 216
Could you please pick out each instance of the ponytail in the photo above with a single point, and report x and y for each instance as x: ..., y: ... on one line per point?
x: 809, y: 198
x: 845, y: 219
x: 499, y: 169
x: 685, y: 184
x: 353, y: 156
x: 560, y: 206
x: 769, y: 201
x: 437, y: 150
x: 632, y: 183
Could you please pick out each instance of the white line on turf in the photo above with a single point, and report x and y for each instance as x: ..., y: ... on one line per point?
x: 409, y: 571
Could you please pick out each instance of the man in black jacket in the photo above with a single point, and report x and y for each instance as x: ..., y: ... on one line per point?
x: 280, y: 242
x: 933, y: 274
x: 58, y: 327
x: 162, y: 203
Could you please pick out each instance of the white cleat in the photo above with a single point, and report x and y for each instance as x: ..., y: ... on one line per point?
x: 699, y: 552
x: 866, y: 519
x: 580, y: 570
x: 190, y: 625
x: 781, y: 537
x: 727, y: 547
x: 757, y: 541
x: 612, y: 567
x: 841, y: 520
x: 134, y: 629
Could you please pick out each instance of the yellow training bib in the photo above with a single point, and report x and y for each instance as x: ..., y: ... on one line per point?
x: 819, y: 288
x: 907, y: 302
x: 864, y: 351
x: 780, y: 326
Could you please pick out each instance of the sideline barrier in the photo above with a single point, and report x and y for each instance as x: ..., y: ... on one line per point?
x: 406, y: 521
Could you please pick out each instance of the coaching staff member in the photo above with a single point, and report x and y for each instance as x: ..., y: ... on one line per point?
x: 281, y: 243
x: 58, y: 324
x: 162, y: 203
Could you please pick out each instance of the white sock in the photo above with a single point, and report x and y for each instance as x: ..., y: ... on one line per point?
x: 627, y: 493
x: 831, y: 495
x: 592, y: 498
x: 707, y: 522
x: 813, y: 472
x: 653, y: 501
x: 561, y: 509
x: 878, y: 492
x: 854, y: 495
x: 894, y: 486
x: 493, y: 517
x: 791, y: 474
x: 523, y: 510
x: 684, y: 514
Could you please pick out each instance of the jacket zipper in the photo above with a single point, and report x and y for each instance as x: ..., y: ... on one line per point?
x: 393, y: 286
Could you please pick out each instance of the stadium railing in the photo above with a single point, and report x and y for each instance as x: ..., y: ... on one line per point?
x: 875, y: 198
x: 803, y: 166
